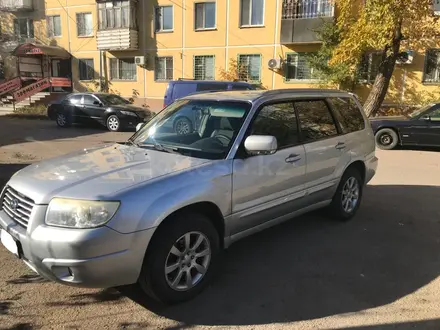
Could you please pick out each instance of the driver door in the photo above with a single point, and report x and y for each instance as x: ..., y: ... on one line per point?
x: 92, y: 107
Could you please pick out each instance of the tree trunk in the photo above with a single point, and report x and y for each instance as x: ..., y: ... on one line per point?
x: 383, y: 78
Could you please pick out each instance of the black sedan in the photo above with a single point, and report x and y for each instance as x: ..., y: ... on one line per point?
x: 420, y: 128
x: 110, y: 110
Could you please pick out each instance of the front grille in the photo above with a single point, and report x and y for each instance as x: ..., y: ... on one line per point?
x: 17, y: 206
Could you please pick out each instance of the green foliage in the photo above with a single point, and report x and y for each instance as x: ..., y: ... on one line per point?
x: 32, y: 111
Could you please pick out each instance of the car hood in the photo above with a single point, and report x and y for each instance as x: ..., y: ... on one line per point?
x: 389, y: 118
x: 97, y: 173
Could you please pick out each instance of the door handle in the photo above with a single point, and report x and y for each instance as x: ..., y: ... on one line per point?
x: 340, y: 146
x: 293, y: 158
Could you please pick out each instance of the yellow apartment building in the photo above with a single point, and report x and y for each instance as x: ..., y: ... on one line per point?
x: 137, y: 46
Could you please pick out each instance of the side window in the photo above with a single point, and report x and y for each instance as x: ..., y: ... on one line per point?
x: 88, y: 100
x: 278, y: 120
x: 211, y: 87
x: 76, y: 99
x: 240, y: 88
x: 315, y: 119
x: 348, y: 114
x: 435, y: 115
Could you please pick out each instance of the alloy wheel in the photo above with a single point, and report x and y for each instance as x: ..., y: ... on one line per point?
x: 188, y: 261
x: 113, y: 123
x: 61, y: 119
x: 350, y: 195
x: 182, y: 127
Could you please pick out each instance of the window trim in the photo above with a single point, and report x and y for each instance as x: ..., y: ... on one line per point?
x: 261, y: 66
x: 250, y: 25
x: 132, y: 25
x: 332, y: 108
x: 194, y: 67
x: 204, y: 16
x: 155, y: 19
x: 79, y: 69
x: 425, y: 66
x: 297, y: 81
x: 155, y: 62
x: 29, y: 24
x: 77, y: 26
x: 47, y: 26
x: 118, y: 60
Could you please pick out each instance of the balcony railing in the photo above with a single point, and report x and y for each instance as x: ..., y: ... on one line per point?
x: 16, y: 5
x: 296, y: 9
x: 118, y: 39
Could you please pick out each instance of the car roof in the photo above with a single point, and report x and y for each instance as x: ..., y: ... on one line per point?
x: 253, y: 95
x: 208, y: 82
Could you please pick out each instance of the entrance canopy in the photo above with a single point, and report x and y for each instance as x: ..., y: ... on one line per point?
x: 32, y: 49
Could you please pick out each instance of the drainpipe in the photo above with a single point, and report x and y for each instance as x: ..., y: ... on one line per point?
x: 277, y: 17
x: 183, y: 38
x: 100, y: 70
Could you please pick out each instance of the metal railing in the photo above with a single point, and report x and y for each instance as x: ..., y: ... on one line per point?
x: 295, y: 9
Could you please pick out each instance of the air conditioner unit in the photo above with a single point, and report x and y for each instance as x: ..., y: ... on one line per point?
x: 406, y: 57
x: 274, y: 63
x: 139, y: 60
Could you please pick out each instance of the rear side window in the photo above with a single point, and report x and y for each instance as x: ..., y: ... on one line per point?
x: 75, y: 99
x: 348, y: 114
x: 316, y: 120
x: 211, y: 87
x: 182, y: 90
x: 240, y: 88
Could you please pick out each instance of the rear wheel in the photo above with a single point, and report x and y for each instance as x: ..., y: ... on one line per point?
x: 183, y: 126
x: 181, y: 259
x: 113, y: 123
x: 63, y: 119
x: 386, y: 139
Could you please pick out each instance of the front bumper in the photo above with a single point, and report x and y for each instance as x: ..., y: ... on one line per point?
x: 95, y: 258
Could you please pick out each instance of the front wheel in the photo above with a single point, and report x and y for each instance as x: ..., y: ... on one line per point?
x: 183, y: 126
x: 347, y: 198
x: 180, y: 260
x: 113, y: 123
x: 386, y: 139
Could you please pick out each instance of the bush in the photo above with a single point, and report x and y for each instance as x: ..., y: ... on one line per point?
x: 32, y: 112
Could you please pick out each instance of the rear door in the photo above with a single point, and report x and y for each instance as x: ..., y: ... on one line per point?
x: 324, y: 147
x: 266, y: 187
x: 72, y: 105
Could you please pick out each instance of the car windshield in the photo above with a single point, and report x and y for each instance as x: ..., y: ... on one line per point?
x: 196, y: 128
x: 113, y: 99
x: 420, y: 111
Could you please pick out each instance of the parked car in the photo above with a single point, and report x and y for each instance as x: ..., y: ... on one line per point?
x: 110, y: 110
x: 159, y: 209
x: 176, y: 89
x: 420, y: 128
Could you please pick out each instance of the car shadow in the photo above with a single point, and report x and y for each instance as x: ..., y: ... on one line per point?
x: 7, y: 170
x: 313, y: 267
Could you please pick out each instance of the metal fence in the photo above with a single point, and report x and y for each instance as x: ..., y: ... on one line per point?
x: 294, y: 9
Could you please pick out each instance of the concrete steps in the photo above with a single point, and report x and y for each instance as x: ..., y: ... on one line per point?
x: 6, y: 106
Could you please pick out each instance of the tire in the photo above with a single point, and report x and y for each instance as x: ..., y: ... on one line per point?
x: 183, y: 126
x: 113, y: 123
x: 63, y: 119
x: 386, y: 139
x: 154, y: 280
x: 340, y: 210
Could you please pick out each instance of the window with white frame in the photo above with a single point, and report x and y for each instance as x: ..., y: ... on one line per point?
x: 204, y: 15
x: 122, y: 69
x: 369, y: 67
x: 86, y: 69
x: 295, y: 9
x: 53, y: 26
x: 204, y: 67
x: 84, y: 22
x: 252, y: 12
x: 164, y: 18
x: 164, y: 68
x: 431, y: 73
x: 117, y: 14
x: 297, y: 67
x: 23, y: 28
x: 249, y: 67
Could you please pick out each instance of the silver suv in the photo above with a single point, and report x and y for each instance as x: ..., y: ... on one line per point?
x: 158, y: 209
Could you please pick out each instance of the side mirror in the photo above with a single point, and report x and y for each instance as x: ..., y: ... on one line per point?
x: 261, y: 144
x: 427, y: 118
x: 97, y: 103
x: 139, y: 126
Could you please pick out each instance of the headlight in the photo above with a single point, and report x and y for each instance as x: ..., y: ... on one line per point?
x: 128, y: 113
x: 79, y: 213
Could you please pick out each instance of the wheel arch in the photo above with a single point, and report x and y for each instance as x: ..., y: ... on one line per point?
x: 358, y: 165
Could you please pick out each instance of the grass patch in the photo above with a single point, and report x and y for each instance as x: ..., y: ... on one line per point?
x: 30, y: 112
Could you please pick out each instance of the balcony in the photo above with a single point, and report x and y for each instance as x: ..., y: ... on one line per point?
x: 301, y: 19
x: 16, y: 5
x: 118, y: 39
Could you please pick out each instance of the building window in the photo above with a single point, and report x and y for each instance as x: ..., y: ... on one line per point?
x: 86, y: 69
x: 23, y: 28
x: 205, y: 15
x: 84, y: 24
x: 249, y: 67
x: 53, y: 26
x: 298, y: 68
x: 432, y: 66
x: 369, y: 67
x: 116, y: 15
x: 252, y: 12
x: 164, y: 18
x: 122, y: 69
x: 204, y: 67
x: 294, y: 9
x: 164, y: 68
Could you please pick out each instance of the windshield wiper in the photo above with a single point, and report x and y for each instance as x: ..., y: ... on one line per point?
x: 160, y: 147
